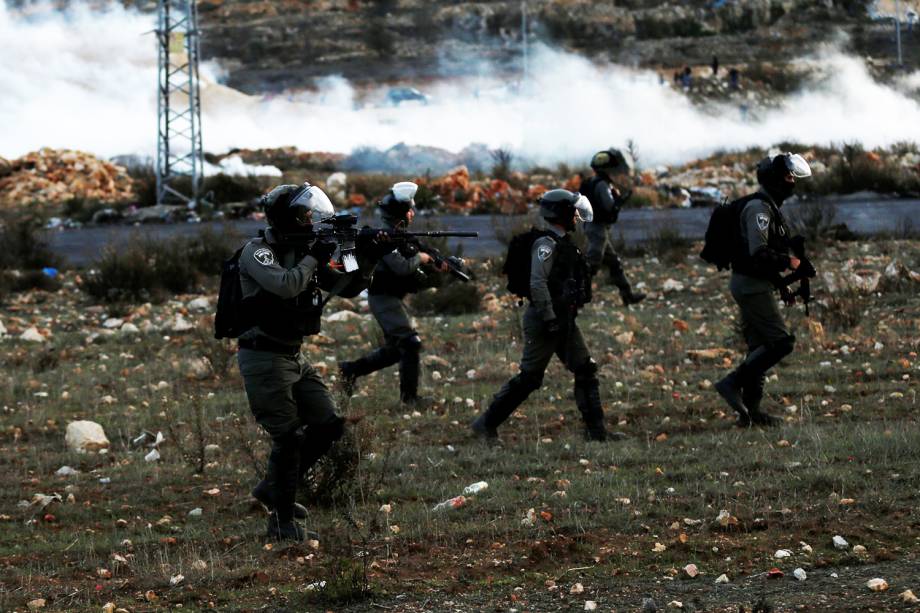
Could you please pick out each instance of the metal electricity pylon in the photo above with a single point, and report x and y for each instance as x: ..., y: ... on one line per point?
x: 179, y: 155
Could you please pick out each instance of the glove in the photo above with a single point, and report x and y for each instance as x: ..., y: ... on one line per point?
x: 322, y: 250
x: 552, y: 326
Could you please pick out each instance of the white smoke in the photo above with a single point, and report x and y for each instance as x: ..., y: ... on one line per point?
x: 87, y: 79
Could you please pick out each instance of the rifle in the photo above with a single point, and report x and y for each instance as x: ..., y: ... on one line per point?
x: 803, y: 274
x: 455, y: 265
x: 343, y: 230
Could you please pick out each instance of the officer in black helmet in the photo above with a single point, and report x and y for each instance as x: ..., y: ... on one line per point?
x: 282, y: 302
x: 759, y: 258
x: 396, y: 275
x: 559, y: 287
x: 607, y: 200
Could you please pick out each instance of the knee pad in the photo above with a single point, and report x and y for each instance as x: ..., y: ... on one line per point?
x: 785, y: 346
x: 528, y: 381
x: 587, y: 370
x: 410, y: 344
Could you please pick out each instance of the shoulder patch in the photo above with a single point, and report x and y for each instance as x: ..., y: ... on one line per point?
x: 544, y: 251
x: 763, y: 221
x: 264, y: 256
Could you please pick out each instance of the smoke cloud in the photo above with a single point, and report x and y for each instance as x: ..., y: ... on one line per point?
x: 86, y: 79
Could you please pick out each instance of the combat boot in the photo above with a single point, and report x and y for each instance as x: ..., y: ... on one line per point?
x: 264, y: 491
x: 618, y: 278
x: 752, y: 395
x: 283, y: 530
x: 630, y: 297
x: 483, y: 430
x: 730, y: 390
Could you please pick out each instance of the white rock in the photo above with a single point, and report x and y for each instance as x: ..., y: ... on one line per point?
x: 113, y: 323
x: 691, y: 570
x: 723, y: 578
x: 859, y: 550
x: 343, y: 316
x: 66, y: 471
x: 32, y: 335
x: 673, y: 285
x: 471, y: 373
x: 2, y: 330
x: 196, y: 512
x: 577, y: 589
x: 908, y: 597
x: 590, y: 605
x: 180, y: 324
x: 840, y: 542
x: 84, y: 436
x: 129, y: 328
x: 198, y: 368
x: 800, y: 574
x: 475, y: 488
x: 153, y: 456
x: 199, y: 304
x: 782, y: 553
x: 877, y: 585
x: 176, y: 580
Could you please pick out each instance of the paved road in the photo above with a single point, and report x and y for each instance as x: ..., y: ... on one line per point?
x: 81, y: 247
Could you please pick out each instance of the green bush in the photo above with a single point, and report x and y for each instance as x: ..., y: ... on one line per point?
x: 669, y: 245
x: 24, y: 245
x: 454, y: 298
x: 150, y: 270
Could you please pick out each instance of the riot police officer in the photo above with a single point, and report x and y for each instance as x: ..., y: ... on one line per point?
x: 607, y: 200
x: 396, y: 275
x: 758, y: 259
x: 559, y: 285
x: 282, y: 302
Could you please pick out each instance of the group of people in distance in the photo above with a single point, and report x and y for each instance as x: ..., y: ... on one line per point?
x: 282, y: 283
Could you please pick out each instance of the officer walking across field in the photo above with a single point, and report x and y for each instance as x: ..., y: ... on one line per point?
x: 607, y: 200
x: 396, y: 275
x: 549, y: 269
x: 282, y: 302
x: 758, y: 258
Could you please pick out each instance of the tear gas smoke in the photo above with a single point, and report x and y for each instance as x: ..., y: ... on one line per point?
x: 87, y: 79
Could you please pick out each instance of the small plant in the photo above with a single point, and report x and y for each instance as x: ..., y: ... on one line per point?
x: 669, y: 245
x: 843, y: 310
x: 454, y: 298
x: 501, y: 167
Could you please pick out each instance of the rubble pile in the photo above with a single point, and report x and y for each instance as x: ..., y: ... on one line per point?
x: 459, y: 194
x: 54, y: 176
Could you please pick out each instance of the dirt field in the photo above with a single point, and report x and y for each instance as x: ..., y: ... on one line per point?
x: 563, y: 522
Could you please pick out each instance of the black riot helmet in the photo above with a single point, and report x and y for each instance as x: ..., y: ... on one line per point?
x: 290, y: 208
x: 611, y: 162
x: 395, y: 206
x: 777, y: 175
x: 560, y: 206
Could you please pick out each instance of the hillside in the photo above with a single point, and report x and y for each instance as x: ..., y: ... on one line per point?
x: 276, y: 45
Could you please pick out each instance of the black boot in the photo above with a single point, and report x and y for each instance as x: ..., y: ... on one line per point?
x: 409, y: 369
x: 751, y: 373
x: 264, y: 491
x: 730, y: 390
x: 376, y: 360
x: 752, y: 393
x: 503, y: 404
x: 618, y: 278
x: 281, y: 524
x: 588, y: 401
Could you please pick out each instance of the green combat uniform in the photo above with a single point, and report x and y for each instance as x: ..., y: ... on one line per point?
x: 559, y: 286
x: 759, y: 256
x: 395, y: 276
x: 599, y: 232
x: 282, y: 303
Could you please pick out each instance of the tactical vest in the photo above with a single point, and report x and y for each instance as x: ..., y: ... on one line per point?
x: 601, y: 215
x: 387, y: 283
x: 569, y: 282
x: 777, y: 240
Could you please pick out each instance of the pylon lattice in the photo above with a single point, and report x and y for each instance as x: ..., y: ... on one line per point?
x: 179, y: 153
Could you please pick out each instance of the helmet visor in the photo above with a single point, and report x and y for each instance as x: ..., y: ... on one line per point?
x: 310, y: 205
x: 797, y: 166
x: 583, y: 209
x: 404, y: 191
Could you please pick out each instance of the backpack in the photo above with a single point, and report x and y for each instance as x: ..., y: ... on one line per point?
x: 518, y: 260
x: 230, y: 320
x: 586, y: 189
x: 723, y: 233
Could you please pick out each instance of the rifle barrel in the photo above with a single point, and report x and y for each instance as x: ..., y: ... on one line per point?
x: 440, y: 234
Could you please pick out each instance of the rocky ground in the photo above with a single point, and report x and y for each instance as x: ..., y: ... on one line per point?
x: 688, y: 513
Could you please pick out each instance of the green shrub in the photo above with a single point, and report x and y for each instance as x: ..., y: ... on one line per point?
x: 24, y: 245
x: 669, y: 245
x: 454, y: 298
x: 222, y: 189
x: 150, y: 270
